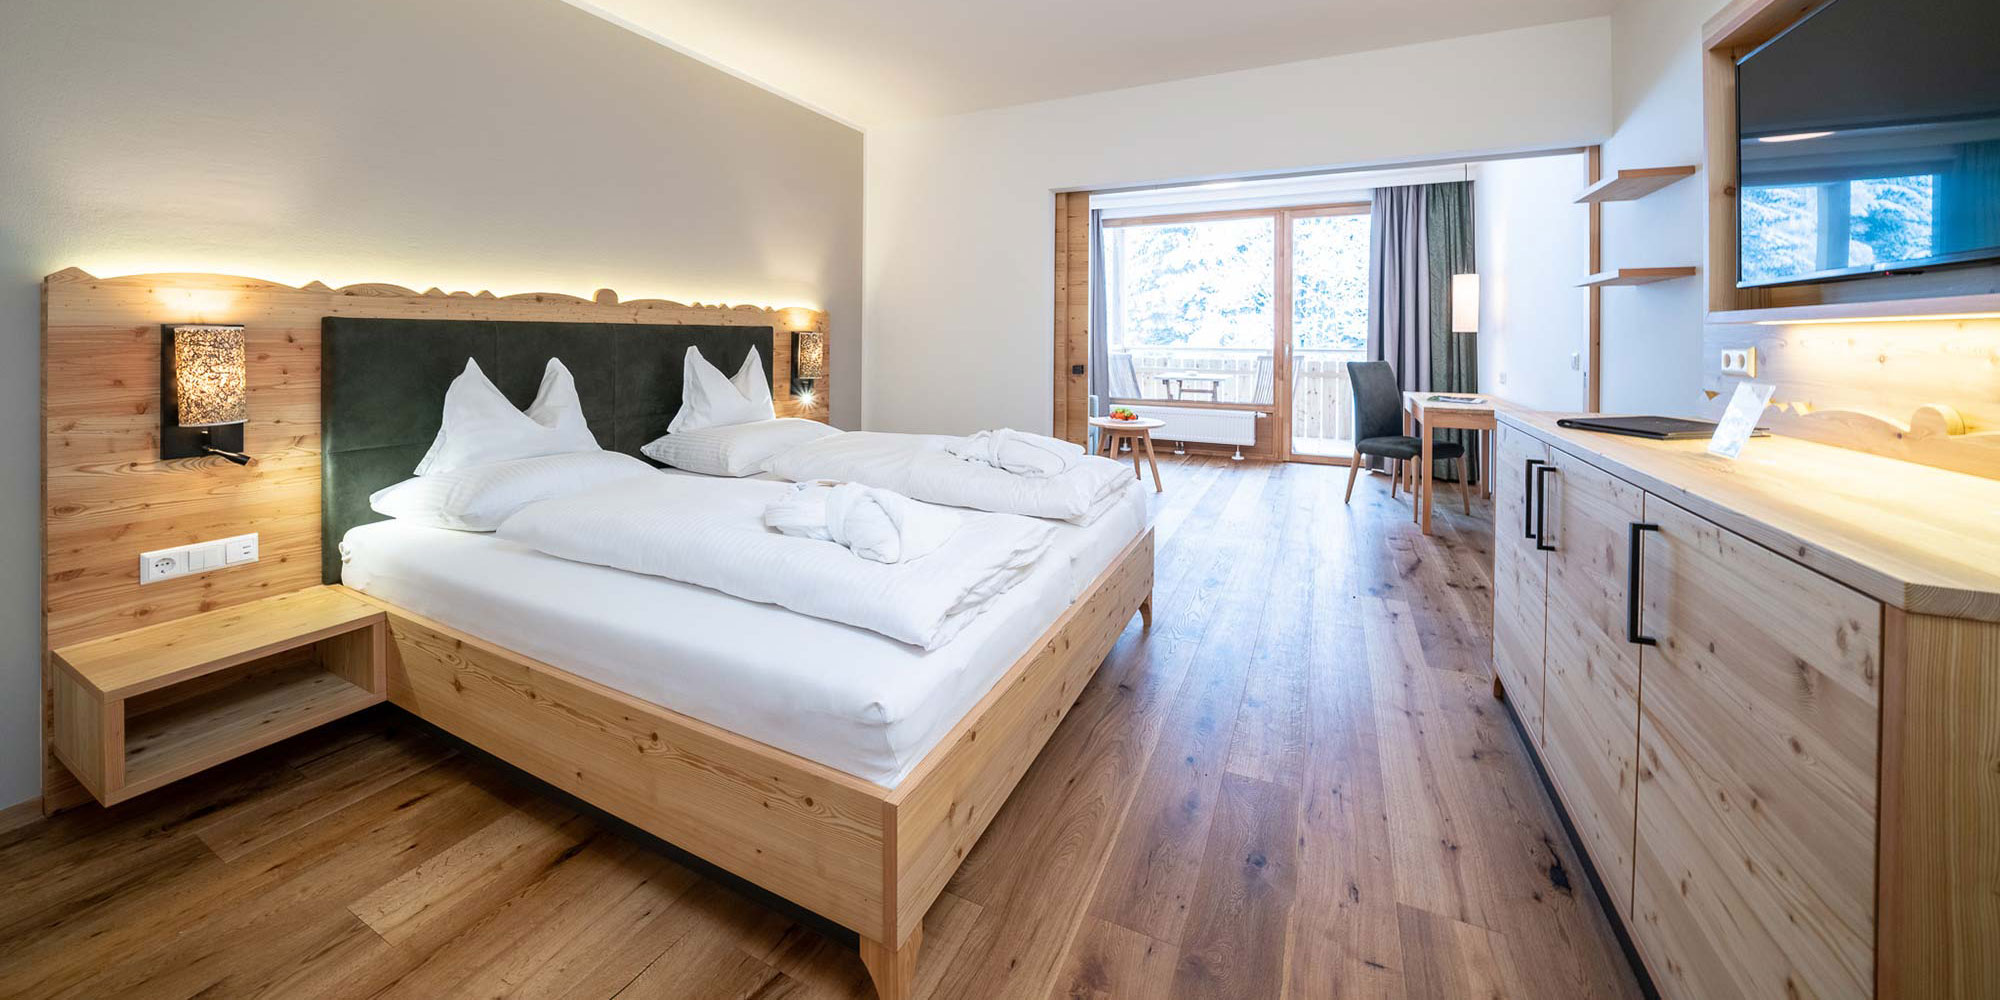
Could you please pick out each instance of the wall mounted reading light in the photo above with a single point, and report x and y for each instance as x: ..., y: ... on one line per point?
x: 1465, y: 303
x: 808, y: 361
x: 204, y: 391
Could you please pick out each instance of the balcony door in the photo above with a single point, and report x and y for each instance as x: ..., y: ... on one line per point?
x: 1258, y: 310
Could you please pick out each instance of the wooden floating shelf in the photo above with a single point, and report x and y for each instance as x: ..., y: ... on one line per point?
x: 1943, y: 308
x: 1635, y: 276
x: 196, y: 734
x: 1628, y: 185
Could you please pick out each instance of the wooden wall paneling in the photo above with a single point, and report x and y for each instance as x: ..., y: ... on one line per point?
x: 1590, y: 710
x: 108, y: 496
x: 1072, y: 319
x: 1938, y: 886
x: 1861, y: 385
x: 1758, y: 770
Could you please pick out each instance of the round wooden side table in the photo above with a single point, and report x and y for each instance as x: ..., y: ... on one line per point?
x: 1137, y: 432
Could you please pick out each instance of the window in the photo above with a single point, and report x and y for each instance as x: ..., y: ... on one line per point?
x: 1195, y: 315
x: 1191, y: 309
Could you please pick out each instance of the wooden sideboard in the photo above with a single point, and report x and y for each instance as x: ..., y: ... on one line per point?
x: 1767, y: 693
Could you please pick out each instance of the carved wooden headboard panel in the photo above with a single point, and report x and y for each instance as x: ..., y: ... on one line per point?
x: 109, y: 497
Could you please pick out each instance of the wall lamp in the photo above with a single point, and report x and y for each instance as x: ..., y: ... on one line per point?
x: 808, y: 361
x: 204, y: 391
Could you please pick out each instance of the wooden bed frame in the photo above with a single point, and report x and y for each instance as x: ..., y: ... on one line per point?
x: 869, y: 858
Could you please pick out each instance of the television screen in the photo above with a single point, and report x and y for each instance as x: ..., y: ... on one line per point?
x: 1869, y: 141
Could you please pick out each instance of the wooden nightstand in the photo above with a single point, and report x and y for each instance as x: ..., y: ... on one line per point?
x: 140, y: 709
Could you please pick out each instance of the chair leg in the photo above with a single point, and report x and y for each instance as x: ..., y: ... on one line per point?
x: 1395, y: 476
x: 1353, y: 470
x: 1464, y: 485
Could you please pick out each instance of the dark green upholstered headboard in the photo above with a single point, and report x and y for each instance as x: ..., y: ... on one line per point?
x: 383, y: 383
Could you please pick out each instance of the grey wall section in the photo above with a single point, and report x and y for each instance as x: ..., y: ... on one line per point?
x: 467, y: 144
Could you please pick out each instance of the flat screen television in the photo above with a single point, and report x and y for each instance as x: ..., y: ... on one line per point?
x: 1869, y: 142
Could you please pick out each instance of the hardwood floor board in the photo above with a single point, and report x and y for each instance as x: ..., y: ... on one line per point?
x: 265, y: 897
x: 328, y: 783
x: 458, y: 884
x: 707, y: 962
x: 1437, y: 867
x: 1108, y: 962
x: 1314, y: 691
x: 1457, y: 961
x: 557, y: 915
x: 1235, y: 938
x: 1344, y: 936
x: 1150, y: 879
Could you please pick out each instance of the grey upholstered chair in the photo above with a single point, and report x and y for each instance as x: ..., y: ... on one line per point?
x: 1378, y: 428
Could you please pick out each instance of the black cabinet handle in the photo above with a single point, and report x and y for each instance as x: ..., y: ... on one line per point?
x: 1541, y: 535
x: 1635, y: 566
x: 1528, y: 497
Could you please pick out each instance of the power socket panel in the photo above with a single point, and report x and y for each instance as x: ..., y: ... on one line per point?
x: 1741, y: 362
x: 201, y: 557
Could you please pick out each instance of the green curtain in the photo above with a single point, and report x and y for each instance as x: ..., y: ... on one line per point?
x: 1454, y: 356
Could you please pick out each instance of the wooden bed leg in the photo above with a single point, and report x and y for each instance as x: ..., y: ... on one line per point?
x: 893, y: 969
x: 1146, y: 612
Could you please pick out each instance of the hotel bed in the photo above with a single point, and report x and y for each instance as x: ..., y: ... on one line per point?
x: 842, y: 696
x: 839, y: 768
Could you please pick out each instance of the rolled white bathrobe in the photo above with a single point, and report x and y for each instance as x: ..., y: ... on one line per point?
x: 874, y: 524
x: 1023, y: 454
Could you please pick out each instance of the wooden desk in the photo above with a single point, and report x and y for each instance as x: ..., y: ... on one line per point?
x: 1419, y: 408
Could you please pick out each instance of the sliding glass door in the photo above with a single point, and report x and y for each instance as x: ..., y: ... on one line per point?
x: 1329, y: 325
x: 1258, y: 309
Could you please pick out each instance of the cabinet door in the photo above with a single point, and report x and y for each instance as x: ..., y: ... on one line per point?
x: 1520, y: 579
x: 1757, y: 780
x: 1590, y: 709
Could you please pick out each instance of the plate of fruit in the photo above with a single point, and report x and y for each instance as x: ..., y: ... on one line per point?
x: 1121, y: 413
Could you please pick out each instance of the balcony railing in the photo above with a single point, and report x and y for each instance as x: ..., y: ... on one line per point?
x: 1322, y: 399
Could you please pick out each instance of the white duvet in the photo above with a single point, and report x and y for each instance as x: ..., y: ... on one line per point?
x: 922, y: 467
x: 711, y: 533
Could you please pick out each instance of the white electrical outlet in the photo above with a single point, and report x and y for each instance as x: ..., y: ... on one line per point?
x: 1740, y: 362
x: 165, y: 564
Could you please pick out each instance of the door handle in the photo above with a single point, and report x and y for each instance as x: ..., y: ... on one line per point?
x: 1528, y: 498
x: 1635, y: 565
x: 1542, y: 507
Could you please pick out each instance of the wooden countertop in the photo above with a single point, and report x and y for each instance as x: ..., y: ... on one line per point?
x: 1921, y: 539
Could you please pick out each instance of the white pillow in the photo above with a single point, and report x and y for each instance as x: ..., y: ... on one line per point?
x: 709, y: 400
x: 480, y: 426
x: 736, y: 450
x: 479, y: 497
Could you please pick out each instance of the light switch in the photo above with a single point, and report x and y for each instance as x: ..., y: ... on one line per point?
x: 241, y: 549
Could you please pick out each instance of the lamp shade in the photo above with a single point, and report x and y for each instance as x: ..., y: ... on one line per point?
x: 1465, y: 303
x: 210, y: 383
x: 808, y: 355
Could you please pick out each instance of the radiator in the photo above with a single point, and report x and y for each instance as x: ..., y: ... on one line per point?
x: 1203, y: 426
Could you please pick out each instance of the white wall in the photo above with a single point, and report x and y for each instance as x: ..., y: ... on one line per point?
x: 1652, y: 333
x: 1533, y: 245
x: 959, y: 215
x: 524, y: 146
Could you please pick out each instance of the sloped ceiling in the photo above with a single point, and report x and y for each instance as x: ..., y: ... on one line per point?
x: 877, y: 62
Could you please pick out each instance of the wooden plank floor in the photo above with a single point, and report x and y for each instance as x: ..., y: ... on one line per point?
x: 1297, y: 785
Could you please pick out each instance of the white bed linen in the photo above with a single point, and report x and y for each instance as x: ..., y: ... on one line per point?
x: 845, y: 697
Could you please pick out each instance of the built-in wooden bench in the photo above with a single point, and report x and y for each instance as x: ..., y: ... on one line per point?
x: 141, y: 709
